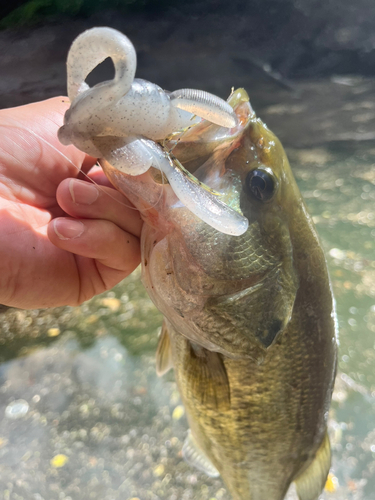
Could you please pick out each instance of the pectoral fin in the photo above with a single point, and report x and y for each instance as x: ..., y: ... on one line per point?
x: 311, y: 482
x: 207, y: 378
x: 163, y: 353
x: 195, y: 457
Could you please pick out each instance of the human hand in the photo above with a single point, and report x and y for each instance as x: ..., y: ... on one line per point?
x: 62, y: 240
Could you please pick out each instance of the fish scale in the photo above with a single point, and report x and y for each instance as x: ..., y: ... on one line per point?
x: 236, y: 258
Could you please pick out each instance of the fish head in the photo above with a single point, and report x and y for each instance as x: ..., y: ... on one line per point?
x: 230, y: 294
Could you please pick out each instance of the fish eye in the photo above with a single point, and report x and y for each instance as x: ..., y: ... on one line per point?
x: 260, y: 184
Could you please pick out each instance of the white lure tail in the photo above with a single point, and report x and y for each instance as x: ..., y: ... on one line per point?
x: 118, y: 120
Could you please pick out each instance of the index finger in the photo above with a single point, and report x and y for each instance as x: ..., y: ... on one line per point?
x: 38, y: 124
x: 31, y: 154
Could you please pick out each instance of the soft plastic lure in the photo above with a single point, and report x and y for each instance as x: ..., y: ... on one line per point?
x: 119, y: 120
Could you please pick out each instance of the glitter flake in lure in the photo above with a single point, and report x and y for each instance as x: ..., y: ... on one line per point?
x: 119, y: 120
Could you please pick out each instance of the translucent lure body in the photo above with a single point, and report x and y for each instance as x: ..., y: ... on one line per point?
x: 117, y: 120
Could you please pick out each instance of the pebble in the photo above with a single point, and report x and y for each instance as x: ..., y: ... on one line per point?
x: 336, y: 253
x: 159, y: 470
x: 178, y: 412
x: 112, y: 303
x: 59, y: 461
x: 17, y: 409
x: 53, y: 332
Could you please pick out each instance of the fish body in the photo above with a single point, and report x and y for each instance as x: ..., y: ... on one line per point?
x: 249, y: 320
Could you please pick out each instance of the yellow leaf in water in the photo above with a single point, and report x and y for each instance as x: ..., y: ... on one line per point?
x: 59, y: 461
x: 112, y: 303
x: 178, y: 412
x: 331, y: 484
x: 53, y: 332
x: 92, y: 319
x: 159, y: 470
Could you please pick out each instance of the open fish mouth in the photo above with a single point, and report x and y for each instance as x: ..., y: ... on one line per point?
x: 191, y: 162
x: 187, y: 170
x: 198, y: 176
x: 124, y: 120
x: 203, y: 201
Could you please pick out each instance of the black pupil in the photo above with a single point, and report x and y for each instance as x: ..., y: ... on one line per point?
x: 260, y: 184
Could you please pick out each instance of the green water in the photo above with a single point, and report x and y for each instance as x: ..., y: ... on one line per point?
x: 98, y: 424
x: 341, y: 196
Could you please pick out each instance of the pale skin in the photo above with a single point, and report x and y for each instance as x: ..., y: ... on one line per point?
x: 63, y: 240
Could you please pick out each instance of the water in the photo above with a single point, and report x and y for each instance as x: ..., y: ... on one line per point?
x: 95, y: 421
x: 341, y: 196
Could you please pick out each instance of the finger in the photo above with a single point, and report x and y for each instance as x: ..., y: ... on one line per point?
x: 81, y: 199
x: 89, y: 163
x: 32, y: 140
x: 116, y: 252
x: 96, y: 175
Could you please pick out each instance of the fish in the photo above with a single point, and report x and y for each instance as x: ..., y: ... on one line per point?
x: 250, y: 327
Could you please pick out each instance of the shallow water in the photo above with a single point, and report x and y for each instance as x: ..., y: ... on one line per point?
x: 82, y: 413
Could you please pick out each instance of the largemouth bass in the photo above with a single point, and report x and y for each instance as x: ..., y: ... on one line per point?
x: 249, y: 319
x: 250, y: 327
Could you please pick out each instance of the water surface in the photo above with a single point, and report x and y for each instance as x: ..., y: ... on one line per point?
x: 82, y: 413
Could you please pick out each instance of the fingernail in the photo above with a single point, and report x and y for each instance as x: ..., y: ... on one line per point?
x: 68, y: 229
x: 82, y: 192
